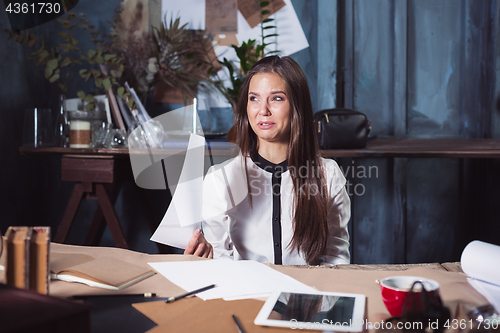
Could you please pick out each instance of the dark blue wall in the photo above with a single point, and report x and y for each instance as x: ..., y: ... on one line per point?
x: 417, y: 68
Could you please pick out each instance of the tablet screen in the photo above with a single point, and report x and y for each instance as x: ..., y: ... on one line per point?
x: 313, y: 308
x: 333, y: 311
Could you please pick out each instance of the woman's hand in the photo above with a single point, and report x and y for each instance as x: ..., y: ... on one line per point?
x: 199, y: 246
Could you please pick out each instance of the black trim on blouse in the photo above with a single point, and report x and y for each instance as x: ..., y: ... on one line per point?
x: 276, y: 170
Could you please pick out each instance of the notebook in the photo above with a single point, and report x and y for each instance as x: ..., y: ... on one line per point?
x: 106, y: 273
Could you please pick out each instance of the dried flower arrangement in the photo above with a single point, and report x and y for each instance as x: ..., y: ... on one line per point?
x: 171, y: 54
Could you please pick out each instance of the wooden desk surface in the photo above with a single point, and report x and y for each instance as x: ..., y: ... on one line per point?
x: 377, y: 148
x: 455, y: 291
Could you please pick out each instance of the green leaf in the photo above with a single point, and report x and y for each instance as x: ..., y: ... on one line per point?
x: 54, y: 78
x: 89, y: 99
x: 108, y: 57
x: 65, y: 36
x: 264, y: 4
x: 265, y: 12
x: 65, y: 62
x: 120, y: 91
x: 90, y: 106
x: 83, y: 72
x: 48, y: 72
x: 80, y: 94
x: 91, y: 53
x: 268, y: 20
x: 71, y: 16
x: 106, y: 83
x: 62, y: 86
x: 269, y: 27
x: 52, y: 64
x: 95, y: 73
x: 65, y: 47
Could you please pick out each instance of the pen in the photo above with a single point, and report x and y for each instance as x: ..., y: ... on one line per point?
x: 145, y: 295
x: 238, y: 325
x: 173, y: 299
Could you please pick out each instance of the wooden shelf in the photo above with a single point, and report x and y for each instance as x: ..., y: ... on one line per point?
x: 417, y: 147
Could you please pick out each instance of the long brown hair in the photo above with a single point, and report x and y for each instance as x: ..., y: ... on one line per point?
x: 310, y: 217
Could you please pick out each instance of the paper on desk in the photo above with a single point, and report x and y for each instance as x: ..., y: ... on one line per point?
x: 490, y: 291
x: 183, y: 215
x: 480, y: 261
x: 235, y: 279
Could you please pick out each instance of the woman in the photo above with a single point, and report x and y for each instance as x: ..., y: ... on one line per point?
x: 278, y: 201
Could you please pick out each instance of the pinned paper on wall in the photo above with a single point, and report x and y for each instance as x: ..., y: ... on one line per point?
x: 191, y: 12
x: 221, y: 17
x: 251, y: 10
x: 226, y: 39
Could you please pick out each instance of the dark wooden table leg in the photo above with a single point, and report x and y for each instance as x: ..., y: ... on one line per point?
x: 110, y: 216
x: 96, y: 229
x: 69, y: 214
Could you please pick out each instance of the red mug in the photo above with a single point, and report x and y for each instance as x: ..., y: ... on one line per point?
x: 395, y: 289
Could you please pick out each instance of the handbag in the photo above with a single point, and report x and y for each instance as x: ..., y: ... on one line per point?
x: 342, y: 129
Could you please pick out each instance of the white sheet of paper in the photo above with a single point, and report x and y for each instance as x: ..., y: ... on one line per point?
x: 235, y: 279
x: 480, y: 261
x: 183, y: 215
x: 490, y: 291
x: 191, y: 12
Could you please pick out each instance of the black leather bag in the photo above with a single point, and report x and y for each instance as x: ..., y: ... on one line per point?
x: 342, y: 129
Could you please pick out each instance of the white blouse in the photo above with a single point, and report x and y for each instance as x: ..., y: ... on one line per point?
x: 240, y: 230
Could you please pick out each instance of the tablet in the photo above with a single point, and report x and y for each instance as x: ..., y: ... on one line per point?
x: 328, y: 311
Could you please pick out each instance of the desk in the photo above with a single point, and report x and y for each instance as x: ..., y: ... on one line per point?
x: 348, y: 278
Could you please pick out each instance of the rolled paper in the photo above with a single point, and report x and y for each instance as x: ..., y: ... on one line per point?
x: 79, y: 134
x: 478, y: 261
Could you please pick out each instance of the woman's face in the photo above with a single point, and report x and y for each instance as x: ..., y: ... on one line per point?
x: 268, y: 108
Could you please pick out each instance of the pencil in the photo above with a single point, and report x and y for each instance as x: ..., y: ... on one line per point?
x: 173, y: 299
x: 238, y: 325
x: 145, y: 295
